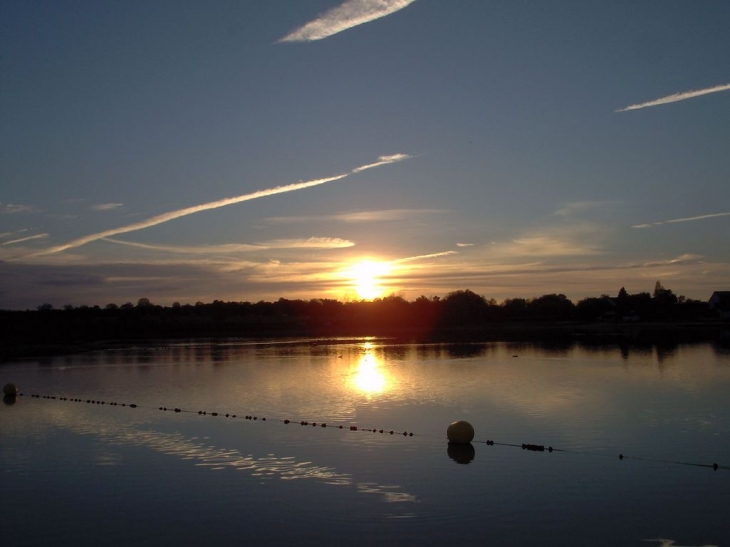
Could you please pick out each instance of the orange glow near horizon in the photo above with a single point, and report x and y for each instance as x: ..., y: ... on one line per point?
x: 366, y: 276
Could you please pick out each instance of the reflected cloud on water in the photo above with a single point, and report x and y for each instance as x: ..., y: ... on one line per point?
x: 671, y: 543
x: 205, y: 455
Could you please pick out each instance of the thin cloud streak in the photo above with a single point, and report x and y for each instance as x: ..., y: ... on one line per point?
x: 105, y: 206
x: 22, y: 239
x: 345, y: 16
x: 677, y: 97
x: 234, y: 248
x: 8, y: 234
x: 687, y: 219
x: 172, y: 215
x: 202, y: 249
x: 382, y: 160
x: 423, y: 257
x: 310, y: 243
x: 13, y: 208
x: 385, y: 215
x: 480, y: 273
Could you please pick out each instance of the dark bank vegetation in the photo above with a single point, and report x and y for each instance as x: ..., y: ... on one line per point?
x: 459, y: 316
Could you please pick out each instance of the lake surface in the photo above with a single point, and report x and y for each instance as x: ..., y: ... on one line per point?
x: 84, y: 473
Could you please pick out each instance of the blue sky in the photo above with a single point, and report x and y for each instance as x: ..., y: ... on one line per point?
x: 192, y: 151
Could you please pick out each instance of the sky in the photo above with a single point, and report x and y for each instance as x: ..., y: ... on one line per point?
x: 187, y: 151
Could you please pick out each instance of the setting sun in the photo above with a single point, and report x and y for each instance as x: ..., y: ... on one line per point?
x: 366, y: 278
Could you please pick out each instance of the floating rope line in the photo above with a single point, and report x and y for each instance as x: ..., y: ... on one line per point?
x: 251, y: 417
x: 524, y: 446
x: 542, y: 448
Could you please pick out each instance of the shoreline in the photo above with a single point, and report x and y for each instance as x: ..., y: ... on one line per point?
x: 544, y: 333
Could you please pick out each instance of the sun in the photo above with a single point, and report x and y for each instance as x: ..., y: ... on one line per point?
x: 366, y: 278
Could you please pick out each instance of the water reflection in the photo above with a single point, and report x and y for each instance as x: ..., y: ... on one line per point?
x: 369, y: 376
x: 651, y: 404
x: 203, y: 454
x: 466, y: 351
x: 671, y: 543
x: 461, y: 453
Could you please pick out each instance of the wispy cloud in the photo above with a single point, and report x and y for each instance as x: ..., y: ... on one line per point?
x: 687, y: 258
x: 383, y: 215
x: 464, y: 244
x: 583, y: 207
x: 3, y: 235
x: 687, y: 219
x: 105, y: 206
x: 172, y: 215
x: 345, y: 16
x: 22, y: 239
x: 677, y: 97
x: 310, y: 243
x: 187, y: 249
x: 423, y: 257
x: 545, y: 246
x: 12, y: 208
x: 236, y: 248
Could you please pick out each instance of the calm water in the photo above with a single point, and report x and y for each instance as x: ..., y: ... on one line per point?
x: 75, y: 473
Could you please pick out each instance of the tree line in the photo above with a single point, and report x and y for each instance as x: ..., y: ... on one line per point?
x: 422, y: 318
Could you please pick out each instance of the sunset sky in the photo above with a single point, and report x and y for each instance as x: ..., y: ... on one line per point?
x: 250, y: 150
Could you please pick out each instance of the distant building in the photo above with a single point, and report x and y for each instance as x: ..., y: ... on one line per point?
x: 720, y: 302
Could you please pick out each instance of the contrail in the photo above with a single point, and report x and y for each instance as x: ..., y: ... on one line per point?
x: 423, y: 257
x: 687, y: 219
x: 701, y: 217
x: 347, y: 15
x: 172, y: 215
x: 22, y: 239
x: 105, y: 206
x: 677, y: 97
x: 235, y: 248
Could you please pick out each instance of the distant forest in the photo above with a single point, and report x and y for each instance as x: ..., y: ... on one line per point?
x: 461, y: 315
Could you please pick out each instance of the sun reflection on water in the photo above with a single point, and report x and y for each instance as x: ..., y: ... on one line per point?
x: 369, y: 377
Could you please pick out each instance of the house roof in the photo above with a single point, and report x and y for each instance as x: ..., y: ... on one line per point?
x: 720, y: 298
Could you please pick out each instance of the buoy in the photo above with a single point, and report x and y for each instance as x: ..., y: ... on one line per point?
x: 11, y: 390
x: 460, y: 432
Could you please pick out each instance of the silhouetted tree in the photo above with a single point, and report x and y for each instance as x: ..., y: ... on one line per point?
x: 463, y: 307
x: 551, y: 307
x: 593, y: 309
x: 665, y: 297
x: 515, y: 308
x: 658, y: 289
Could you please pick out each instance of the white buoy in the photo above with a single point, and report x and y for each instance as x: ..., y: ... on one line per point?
x: 11, y: 390
x: 460, y: 432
